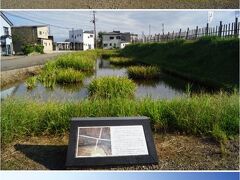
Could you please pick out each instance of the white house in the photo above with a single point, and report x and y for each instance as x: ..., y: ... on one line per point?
x: 6, y: 45
x: 81, y: 40
x: 115, y: 39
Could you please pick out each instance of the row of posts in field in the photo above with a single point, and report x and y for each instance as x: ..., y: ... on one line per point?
x: 223, y: 30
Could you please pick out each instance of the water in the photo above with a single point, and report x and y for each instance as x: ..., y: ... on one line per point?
x: 166, y: 87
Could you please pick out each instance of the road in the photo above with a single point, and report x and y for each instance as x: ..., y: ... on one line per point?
x: 17, y: 62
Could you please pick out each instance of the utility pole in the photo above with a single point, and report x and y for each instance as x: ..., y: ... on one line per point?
x: 149, y: 30
x: 163, y: 28
x: 73, y: 39
x: 95, y: 33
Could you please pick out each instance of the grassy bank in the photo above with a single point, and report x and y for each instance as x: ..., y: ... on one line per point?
x: 211, y: 60
x: 216, y: 116
x: 143, y: 72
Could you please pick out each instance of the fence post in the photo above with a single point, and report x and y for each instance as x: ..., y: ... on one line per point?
x: 236, y: 27
x: 187, y: 33
x: 179, y: 35
x: 196, y: 32
x: 207, y: 29
x: 220, y: 29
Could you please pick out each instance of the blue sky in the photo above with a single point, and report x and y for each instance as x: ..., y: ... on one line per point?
x: 63, y: 175
x: 127, y: 21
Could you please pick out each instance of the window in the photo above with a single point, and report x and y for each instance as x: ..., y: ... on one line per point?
x: 6, y: 31
x: 40, y: 32
x: 111, y: 37
x: 110, y: 44
x: 91, y: 35
x: 104, y: 45
x: 118, y: 37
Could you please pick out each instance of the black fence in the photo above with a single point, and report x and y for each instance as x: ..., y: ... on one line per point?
x: 223, y: 31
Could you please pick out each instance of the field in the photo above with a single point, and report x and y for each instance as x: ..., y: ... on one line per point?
x: 126, y: 4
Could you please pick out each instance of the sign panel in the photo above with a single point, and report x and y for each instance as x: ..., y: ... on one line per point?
x: 110, y: 141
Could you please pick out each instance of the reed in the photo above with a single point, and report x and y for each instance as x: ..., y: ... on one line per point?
x: 66, y: 76
x: 31, y: 82
x: 112, y: 87
x: 121, y: 61
x: 215, y: 116
x: 143, y: 72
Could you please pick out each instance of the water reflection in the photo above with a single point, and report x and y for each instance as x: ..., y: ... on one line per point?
x: 166, y: 86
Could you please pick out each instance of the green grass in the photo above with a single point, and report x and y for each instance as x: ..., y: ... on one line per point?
x: 112, y: 87
x: 84, y: 61
x: 143, y: 72
x: 121, y: 61
x: 31, y: 82
x: 212, y: 61
x: 215, y: 116
x: 69, y: 75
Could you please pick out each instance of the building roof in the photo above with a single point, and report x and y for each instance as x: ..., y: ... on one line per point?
x: 115, y: 33
x: 6, y: 19
x: 89, y: 32
x: 30, y: 26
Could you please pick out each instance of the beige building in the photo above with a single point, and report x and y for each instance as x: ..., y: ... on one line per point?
x: 23, y: 35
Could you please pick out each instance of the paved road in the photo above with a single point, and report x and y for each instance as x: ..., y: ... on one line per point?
x: 16, y: 62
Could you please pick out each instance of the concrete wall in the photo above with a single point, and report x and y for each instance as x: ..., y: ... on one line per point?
x: 88, y: 41
x: 48, y: 45
x: 42, y: 32
x: 111, y: 41
x: 76, y: 36
x: 22, y: 36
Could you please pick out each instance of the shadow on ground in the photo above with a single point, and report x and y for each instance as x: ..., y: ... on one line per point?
x: 51, y: 156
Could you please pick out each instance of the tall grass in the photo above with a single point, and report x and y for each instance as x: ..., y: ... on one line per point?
x: 112, y: 87
x: 31, y: 82
x: 121, y: 61
x: 143, y: 72
x: 69, y: 75
x: 215, y: 116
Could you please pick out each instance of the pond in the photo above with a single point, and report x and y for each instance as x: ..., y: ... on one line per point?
x: 166, y: 87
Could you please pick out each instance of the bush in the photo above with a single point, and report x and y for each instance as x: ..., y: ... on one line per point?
x: 39, y: 48
x: 112, y: 87
x: 30, y: 48
x: 143, y: 72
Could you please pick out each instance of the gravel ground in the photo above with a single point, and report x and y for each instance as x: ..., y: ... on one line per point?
x: 125, y: 4
x: 175, y: 152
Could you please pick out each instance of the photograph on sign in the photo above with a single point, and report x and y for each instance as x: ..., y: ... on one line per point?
x: 101, y: 141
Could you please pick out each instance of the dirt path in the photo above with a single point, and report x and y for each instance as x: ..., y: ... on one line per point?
x: 175, y: 152
x: 124, y: 4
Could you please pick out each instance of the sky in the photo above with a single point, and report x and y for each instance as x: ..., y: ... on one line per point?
x: 124, y: 20
x: 79, y: 175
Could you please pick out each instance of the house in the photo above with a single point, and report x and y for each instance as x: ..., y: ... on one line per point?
x: 37, y: 34
x: 6, y: 45
x: 115, y: 39
x: 62, y: 46
x: 81, y: 40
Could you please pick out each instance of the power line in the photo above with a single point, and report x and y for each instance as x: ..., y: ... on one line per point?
x: 36, y: 21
